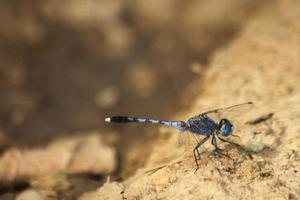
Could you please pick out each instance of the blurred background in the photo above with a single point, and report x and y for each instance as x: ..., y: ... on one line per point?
x: 66, y: 65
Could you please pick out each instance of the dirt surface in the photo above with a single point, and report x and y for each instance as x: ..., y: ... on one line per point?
x: 66, y: 66
x: 261, y: 65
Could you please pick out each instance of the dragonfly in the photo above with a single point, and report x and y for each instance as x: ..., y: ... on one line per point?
x: 214, y: 124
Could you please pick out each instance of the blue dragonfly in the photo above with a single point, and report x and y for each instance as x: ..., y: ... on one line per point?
x: 208, y: 124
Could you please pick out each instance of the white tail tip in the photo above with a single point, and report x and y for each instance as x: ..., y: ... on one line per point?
x: 107, y: 119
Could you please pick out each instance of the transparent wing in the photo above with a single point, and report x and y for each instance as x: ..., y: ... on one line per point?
x: 231, y: 112
x: 235, y: 114
x: 189, y: 140
x: 185, y: 139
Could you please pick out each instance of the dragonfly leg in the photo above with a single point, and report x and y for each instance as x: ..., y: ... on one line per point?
x: 214, y: 142
x: 196, y: 151
x: 236, y: 144
x: 229, y: 142
x: 197, y: 156
x: 218, y: 150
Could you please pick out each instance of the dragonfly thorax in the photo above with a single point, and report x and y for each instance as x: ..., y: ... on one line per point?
x: 202, y: 124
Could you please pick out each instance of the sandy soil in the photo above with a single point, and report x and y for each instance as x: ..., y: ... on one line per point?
x: 65, y: 66
x: 261, y: 65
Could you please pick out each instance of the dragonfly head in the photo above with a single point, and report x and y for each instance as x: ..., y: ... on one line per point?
x: 225, y: 127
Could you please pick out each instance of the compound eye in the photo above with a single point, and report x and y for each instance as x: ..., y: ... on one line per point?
x: 226, y: 128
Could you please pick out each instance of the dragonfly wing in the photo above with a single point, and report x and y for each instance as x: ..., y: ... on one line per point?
x: 231, y: 112
x: 235, y: 114
x: 189, y: 140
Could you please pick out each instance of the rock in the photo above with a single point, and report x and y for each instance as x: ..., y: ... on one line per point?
x: 30, y: 195
x: 51, y: 185
x: 108, y: 191
x: 84, y: 154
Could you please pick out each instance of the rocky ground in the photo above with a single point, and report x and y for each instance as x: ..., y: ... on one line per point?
x: 251, y: 53
x: 261, y: 65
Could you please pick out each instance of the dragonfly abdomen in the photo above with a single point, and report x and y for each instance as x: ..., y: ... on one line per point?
x: 181, y: 125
